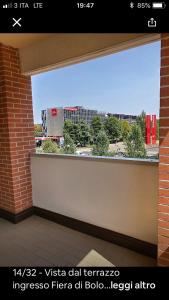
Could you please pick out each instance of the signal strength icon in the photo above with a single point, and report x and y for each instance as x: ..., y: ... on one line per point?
x: 9, y: 5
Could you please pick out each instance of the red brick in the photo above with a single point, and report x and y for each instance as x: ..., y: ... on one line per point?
x: 164, y: 151
x: 164, y: 91
x: 164, y: 159
x: 163, y: 183
x: 163, y: 200
x: 16, y: 118
x: 164, y: 122
x: 164, y: 113
x: 164, y: 132
x: 165, y: 62
x: 164, y: 72
x: 164, y: 142
x: 165, y: 81
x: 164, y: 192
x: 163, y: 232
x: 164, y: 241
x: 165, y: 42
x: 163, y: 224
x: 163, y: 208
x: 163, y: 261
x: 163, y: 168
x: 163, y: 203
x: 164, y: 218
x: 163, y: 254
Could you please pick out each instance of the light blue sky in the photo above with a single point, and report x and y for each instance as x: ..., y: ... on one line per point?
x: 126, y: 82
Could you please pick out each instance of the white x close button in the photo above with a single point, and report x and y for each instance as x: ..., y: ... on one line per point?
x: 16, y: 22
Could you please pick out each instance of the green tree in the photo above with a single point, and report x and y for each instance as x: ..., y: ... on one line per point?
x: 113, y: 129
x: 140, y: 120
x: 96, y: 126
x: 135, y: 143
x: 101, y: 145
x: 38, y: 130
x: 73, y: 131
x: 84, y: 136
x: 68, y: 125
x: 69, y: 146
x: 50, y: 147
x: 125, y: 129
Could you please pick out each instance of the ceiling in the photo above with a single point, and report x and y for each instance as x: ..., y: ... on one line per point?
x: 22, y: 40
x: 44, y: 52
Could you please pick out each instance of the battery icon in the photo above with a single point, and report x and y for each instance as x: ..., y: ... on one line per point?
x: 158, y: 5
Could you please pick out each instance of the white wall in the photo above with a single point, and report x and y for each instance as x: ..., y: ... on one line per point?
x: 114, y: 194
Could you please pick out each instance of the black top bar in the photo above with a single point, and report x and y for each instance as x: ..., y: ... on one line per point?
x: 82, y: 16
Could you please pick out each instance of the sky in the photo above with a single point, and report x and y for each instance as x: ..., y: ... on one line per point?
x: 126, y: 82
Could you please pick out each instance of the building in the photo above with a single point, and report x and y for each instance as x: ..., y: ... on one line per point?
x: 53, y: 118
x: 52, y: 122
x: 79, y: 113
x: 128, y: 118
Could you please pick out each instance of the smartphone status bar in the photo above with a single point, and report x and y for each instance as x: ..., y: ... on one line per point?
x: 74, y: 16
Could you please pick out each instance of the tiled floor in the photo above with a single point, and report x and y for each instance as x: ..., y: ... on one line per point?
x: 39, y: 242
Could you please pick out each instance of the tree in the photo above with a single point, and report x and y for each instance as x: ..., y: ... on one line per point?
x: 135, y: 143
x: 140, y: 120
x: 125, y: 129
x: 68, y: 125
x: 84, y: 136
x: 96, y: 126
x: 113, y: 129
x: 101, y: 145
x: 50, y: 147
x: 38, y: 130
x: 73, y: 131
x: 158, y: 129
x: 69, y: 146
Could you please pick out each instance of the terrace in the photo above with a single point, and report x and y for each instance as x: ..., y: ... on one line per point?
x: 65, y: 206
x: 39, y: 242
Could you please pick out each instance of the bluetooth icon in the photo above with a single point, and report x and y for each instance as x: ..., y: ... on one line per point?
x: 131, y: 5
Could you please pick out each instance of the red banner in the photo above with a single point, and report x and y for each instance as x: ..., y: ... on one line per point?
x: 148, y: 129
x: 153, y: 129
x: 54, y: 112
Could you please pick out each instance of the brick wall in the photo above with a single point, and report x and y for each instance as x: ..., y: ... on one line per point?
x: 16, y: 133
x: 163, y: 205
